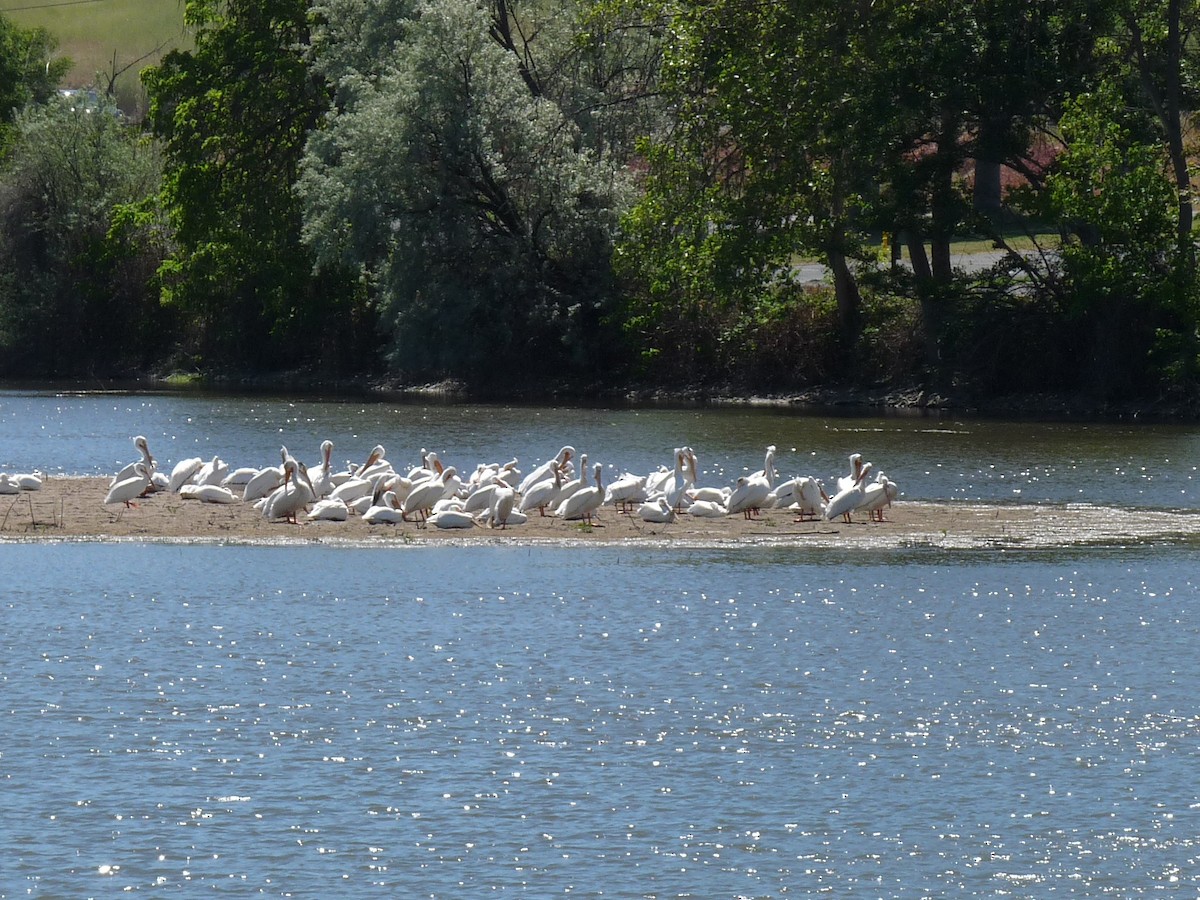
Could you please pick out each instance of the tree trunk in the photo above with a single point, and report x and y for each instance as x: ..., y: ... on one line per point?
x: 849, y: 300
x: 986, y: 194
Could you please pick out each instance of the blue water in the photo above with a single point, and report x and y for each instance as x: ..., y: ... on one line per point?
x: 459, y: 722
x: 930, y: 457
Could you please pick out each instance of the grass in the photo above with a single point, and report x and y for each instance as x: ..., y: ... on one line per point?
x: 104, y: 37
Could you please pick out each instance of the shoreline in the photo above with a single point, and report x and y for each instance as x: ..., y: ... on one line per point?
x: 72, y: 509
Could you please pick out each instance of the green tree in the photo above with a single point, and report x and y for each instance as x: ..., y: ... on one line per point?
x: 29, y: 72
x: 1133, y: 297
x: 234, y: 115
x: 465, y: 196
x: 72, y: 301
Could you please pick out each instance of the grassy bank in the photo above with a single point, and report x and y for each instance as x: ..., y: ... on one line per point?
x: 105, y: 37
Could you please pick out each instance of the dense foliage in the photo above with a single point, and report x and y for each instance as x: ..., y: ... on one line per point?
x: 550, y: 193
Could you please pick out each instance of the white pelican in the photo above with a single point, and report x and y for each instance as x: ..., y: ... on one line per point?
x: 213, y: 471
x: 384, y: 512
x: 425, y: 494
x: 329, y: 510
x: 877, y: 495
x: 183, y: 472
x: 240, y: 476
x: 8, y: 484
x: 748, y: 495
x: 504, y: 499
x: 213, y: 493
x: 292, y: 496
x: 846, y: 501
x: 584, y: 502
x: 810, y: 498
x: 129, y: 471
x: 32, y: 481
x: 543, y: 493
x: 129, y: 489
x: 708, y: 509
x: 451, y: 518
x: 542, y: 472
x: 323, y: 478
x: 848, y: 481
x: 570, y: 487
x: 659, y: 511
x: 626, y: 490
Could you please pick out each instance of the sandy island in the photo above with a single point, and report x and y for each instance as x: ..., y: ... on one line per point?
x: 73, y: 509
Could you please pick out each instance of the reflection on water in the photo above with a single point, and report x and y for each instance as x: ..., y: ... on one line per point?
x: 932, y: 458
x: 599, y: 721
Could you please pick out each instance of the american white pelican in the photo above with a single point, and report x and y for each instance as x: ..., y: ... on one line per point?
x: 708, y: 509
x: 658, y: 511
x: 329, y: 510
x: 239, y: 477
x: 846, y: 501
x: 385, y: 512
x: 129, y: 471
x: 542, y: 472
x: 877, y: 495
x: 848, y: 481
x: 451, y: 518
x: 292, y: 496
x: 748, y: 495
x: 8, y: 484
x: 183, y: 472
x: 130, y: 489
x: 32, y: 481
x: 424, y: 495
x: 212, y: 471
x: 626, y: 490
x: 570, y: 487
x: 810, y: 498
x: 542, y: 494
x: 504, y: 498
x: 584, y: 502
x: 322, y: 476
x: 213, y: 493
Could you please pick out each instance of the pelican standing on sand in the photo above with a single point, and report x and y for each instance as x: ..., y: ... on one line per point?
x: 849, y: 499
x: 295, y: 493
x: 584, y: 502
x: 129, y: 489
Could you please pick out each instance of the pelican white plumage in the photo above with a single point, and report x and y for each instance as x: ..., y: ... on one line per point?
x: 183, y: 472
x: 212, y: 471
x: 582, y: 504
x: 212, y: 493
x: 384, y: 512
x: 8, y: 484
x: 810, y: 498
x: 129, y: 471
x: 570, y: 487
x: 708, y: 509
x: 451, y: 518
x: 625, y: 490
x: 266, y: 480
x: 239, y: 477
x: 292, y: 496
x: 542, y: 472
x: 329, y: 510
x: 322, y: 478
x: 129, y: 489
x: 425, y: 494
x: 877, y: 495
x: 504, y: 498
x: 658, y: 510
x: 844, y: 502
x: 848, y: 481
x: 32, y: 481
x: 542, y: 494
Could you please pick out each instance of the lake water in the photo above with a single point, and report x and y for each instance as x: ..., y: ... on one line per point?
x: 320, y: 721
